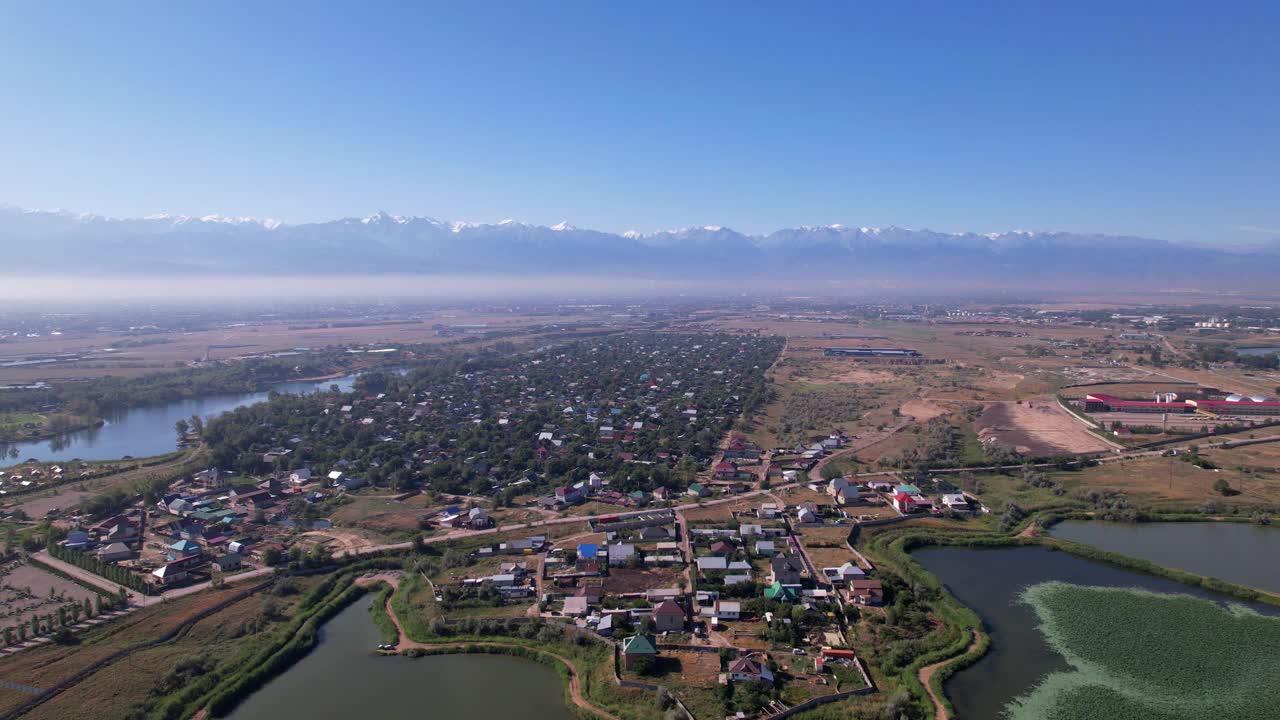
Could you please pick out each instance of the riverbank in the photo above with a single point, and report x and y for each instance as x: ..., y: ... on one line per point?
x: 16, y: 428
x: 890, y: 547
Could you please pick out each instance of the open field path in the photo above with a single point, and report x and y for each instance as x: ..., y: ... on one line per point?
x: 926, y: 674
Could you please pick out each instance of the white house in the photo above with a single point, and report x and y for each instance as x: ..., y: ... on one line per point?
x: 728, y: 610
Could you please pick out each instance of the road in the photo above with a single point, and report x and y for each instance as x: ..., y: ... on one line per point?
x: 926, y: 674
x: 137, y: 598
x: 145, y: 601
x: 861, y: 443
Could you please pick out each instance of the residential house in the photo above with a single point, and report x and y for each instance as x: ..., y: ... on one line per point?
x: 183, y: 549
x: 656, y: 532
x: 765, y: 547
x: 605, y: 626
x: 782, y: 593
x: 844, y: 573
x: 301, y: 476
x: 906, y: 504
x: 637, y: 646
x: 955, y: 502
x: 211, y: 479
x: 668, y: 617
x: 865, y: 592
x: 478, y: 519
x: 728, y: 610
x: 568, y: 495
x: 575, y: 606
x: 115, y: 552
x: 712, y: 563
x: 250, y: 500
x: 785, y: 569
x: 351, y: 484
x: 746, y: 669
x: 621, y: 554
x: 843, y: 491
x: 228, y: 562
x: 806, y: 513
x: 725, y: 470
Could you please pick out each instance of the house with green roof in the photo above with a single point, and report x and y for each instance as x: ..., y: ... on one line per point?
x: 908, y: 489
x: 781, y: 593
x: 182, y: 549
x: 637, y: 646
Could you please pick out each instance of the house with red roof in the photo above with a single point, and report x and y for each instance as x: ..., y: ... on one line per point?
x: 668, y: 616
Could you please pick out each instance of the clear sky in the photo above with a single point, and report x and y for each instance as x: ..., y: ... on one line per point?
x: 1162, y: 119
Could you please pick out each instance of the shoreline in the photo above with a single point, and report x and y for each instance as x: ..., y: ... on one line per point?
x: 902, y: 539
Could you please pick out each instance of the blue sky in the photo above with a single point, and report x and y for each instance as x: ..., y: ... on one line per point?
x: 1159, y: 120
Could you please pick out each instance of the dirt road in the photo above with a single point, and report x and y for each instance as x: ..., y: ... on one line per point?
x: 926, y: 674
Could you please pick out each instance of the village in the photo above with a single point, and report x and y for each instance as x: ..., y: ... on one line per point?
x: 613, y: 485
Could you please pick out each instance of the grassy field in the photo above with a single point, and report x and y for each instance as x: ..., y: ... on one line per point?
x: 165, y: 351
x: 826, y: 545
x: 138, y: 681
x: 1156, y: 483
x: 1140, y: 654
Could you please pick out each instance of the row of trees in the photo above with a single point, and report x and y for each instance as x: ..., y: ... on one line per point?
x: 115, y: 573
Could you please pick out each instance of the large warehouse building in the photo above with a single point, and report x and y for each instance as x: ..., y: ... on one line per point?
x: 871, y: 352
x: 1233, y: 405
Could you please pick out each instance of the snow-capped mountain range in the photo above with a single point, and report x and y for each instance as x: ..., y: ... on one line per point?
x: 77, y: 243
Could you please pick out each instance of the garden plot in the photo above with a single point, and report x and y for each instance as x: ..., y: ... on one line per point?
x: 27, y: 591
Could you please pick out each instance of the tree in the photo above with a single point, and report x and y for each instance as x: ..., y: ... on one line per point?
x: 1222, y: 487
x: 182, y: 427
x: 643, y: 664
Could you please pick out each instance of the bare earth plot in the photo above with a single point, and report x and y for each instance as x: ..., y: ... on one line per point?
x: 1037, y: 427
x: 26, y: 590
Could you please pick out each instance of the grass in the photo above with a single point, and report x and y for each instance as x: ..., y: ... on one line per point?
x: 1136, y: 653
x: 1154, y: 484
x: 378, y: 611
x: 131, y: 684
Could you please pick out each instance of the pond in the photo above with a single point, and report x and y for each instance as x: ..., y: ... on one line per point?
x: 342, y: 678
x: 1241, y: 553
x: 149, y: 429
x: 1258, y: 350
x: 989, y: 581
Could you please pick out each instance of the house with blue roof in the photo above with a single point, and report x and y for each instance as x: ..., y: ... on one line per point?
x: 183, y: 549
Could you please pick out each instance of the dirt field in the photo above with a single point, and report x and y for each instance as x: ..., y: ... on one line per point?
x: 26, y: 590
x: 1253, y: 474
x: 117, y: 354
x: 826, y: 546
x: 627, y: 580
x: 923, y: 410
x: 1037, y: 427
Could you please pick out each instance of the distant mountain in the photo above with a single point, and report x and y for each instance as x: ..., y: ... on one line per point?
x: 840, y: 256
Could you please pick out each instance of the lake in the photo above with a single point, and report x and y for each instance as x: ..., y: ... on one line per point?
x: 1241, y: 553
x: 989, y: 581
x: 342, y: 678
x: 148, y: 430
